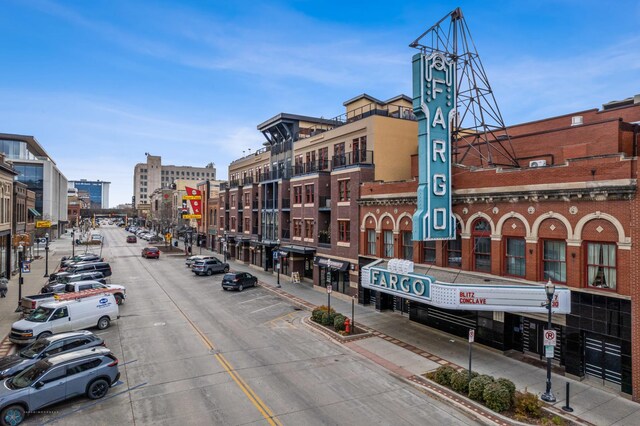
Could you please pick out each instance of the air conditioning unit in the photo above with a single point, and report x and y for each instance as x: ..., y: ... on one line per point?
x: 537, y: 163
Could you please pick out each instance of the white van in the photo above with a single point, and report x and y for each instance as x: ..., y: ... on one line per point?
x: 70, y: 315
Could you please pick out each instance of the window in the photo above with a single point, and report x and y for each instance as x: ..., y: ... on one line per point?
x: 247, y: 224
x: 71, y: 344
x: 371, y: 242
x: 84, y: 366
x: 323, y: 158
x: 428, y: 252
x: 407, y: 245
x: 515, y: 257
x: 297, y: 195
x: 554, y: 261
x: 388, y: 243
x: 482, y: 246
x: 338, y: 155
x: 60, y: 313
x: 309, y: 194
x: 308, y: 228
x: 233, y: 201
x: 344, y: 193
x: 601, y: 265
x: 54, y: 374
x: 297, y: 227
x: 246, y: 199
x: 359, y: 147
x: 233, y: 223
x: 344, y: 231
x: 454, y: 250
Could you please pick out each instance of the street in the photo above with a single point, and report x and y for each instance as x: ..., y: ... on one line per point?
x: 191, y: 353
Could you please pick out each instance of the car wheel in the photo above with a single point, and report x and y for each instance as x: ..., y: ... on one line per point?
x: 225, y: 289
x: 226, y: 269
x: 240, y: 287
x: 119, y: 299
x: 12, y: 415
x: 209, y: 272
x: 44, y: 334
x: 97, y: 389
x: 103, y: 323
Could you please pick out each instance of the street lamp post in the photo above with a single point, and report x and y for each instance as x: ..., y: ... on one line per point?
x: 20, y: 250
x: 278, y: 263
x: 46, y: 253
x: 224, y: 247
x: 548, y: 396
x: 73, y: 243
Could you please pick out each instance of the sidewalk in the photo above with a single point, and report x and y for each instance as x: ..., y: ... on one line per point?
x: 408, y: 346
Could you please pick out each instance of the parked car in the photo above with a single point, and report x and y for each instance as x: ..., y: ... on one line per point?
x: 191, y: 259
x: 89, y: 371
x: 65, y: 278
x: 69, y: 315
x: 132, y: 239
x: 46, y: 347
x: 103, y: 267
x: 81, y: 258
x: 209, y: 266
x: 151, y: 253
x: 238, y: 281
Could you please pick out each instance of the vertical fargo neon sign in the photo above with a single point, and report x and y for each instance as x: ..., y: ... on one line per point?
x: 434, y: 104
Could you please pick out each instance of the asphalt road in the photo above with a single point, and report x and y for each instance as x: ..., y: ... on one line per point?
x: 192, y: 354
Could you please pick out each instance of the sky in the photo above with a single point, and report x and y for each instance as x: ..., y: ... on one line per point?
x: 101, y: 82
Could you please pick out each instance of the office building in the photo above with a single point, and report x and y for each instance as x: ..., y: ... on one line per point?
x: 97, y: 190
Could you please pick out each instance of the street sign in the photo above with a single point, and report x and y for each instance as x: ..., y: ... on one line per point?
x: 549, y: 338
x: 329, y: 289
x: 275, y: 254
x: 192, y: 216
x: 548, y: 351
x: 26, y: 267
x: 43, y: 224
x: 472, y: 335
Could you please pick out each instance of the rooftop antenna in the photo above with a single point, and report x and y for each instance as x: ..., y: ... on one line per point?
x: 479, y: 132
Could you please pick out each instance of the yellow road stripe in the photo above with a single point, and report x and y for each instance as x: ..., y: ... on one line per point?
x: 244, y: 387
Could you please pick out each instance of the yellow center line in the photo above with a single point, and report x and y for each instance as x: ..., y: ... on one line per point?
x: 244, y: 387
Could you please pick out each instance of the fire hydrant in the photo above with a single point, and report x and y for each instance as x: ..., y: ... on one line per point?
x: 347, y: 326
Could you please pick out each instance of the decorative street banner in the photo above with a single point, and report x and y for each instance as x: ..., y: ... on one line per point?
x: 195, y: 198
x: 469, y: 297
x: 434, y: 104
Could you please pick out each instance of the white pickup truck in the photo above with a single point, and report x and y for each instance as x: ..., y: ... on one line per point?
x: 31, y: 303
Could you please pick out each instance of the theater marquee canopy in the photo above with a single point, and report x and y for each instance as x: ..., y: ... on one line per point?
x: 400, y: 281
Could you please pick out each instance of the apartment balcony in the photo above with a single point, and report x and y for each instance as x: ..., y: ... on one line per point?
x: 353, y: 158
x: 234, y: 183
x: 311, y: 167
x: 324, y: 239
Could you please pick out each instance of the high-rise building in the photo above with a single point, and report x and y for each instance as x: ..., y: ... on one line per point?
x: 98, y: 191
x: 152, y: 175
x: 41, y: 175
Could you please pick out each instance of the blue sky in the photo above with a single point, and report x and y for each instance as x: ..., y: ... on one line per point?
x: 101, y: 82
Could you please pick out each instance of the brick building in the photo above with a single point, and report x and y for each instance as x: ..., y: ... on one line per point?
x: 569, y: 214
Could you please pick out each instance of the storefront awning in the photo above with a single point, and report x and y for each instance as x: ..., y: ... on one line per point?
x: 34, y: 212
x: 338, y: 265
x: 298, y: 249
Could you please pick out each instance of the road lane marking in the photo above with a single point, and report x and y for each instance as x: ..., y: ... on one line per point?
x: 255, y: 298
x: 262, y: 407
x: 266, y: 307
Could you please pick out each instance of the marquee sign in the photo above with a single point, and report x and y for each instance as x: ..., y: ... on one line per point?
x: 434, y: 104
x: 195, y: 198
x: 470, y: 297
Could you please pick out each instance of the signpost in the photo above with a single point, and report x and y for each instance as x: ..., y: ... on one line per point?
x: 329, y: 290
x: 472, y: 336
x: 549, y: 343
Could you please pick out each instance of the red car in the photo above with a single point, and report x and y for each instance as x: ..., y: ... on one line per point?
x: 151, y: 253
x: 132, y: 239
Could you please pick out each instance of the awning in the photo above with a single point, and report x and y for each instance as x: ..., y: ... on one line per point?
x: 298, y: 249
x: 34, y: 212
x: 338, y: 265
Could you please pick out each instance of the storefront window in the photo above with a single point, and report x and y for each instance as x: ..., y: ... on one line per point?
x: 515, y: 257
x: 554, y: 261
x: 601, y: 265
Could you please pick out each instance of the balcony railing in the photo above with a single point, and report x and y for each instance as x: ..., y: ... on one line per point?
x: 352, y: 158
x: 234, y: 183
x: 324, y: 237
x: 311, y: 167
x: 247, y: 180
x: 276, y: 174
x: 324, y: 202
x: 281, y: 147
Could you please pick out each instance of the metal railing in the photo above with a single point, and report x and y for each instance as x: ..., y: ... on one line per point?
x: 276, y: 174
x: 311, y: 167
x: 393, y: 111
x: 234, y: 183
x: 324, y: 237
x: 352, y: 158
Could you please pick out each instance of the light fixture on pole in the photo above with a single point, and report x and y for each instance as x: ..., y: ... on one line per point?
x: 224, y: 247
x: 548, y: 396
x: 20, y: 281
x: 46, y: 253
x: 73, y: 243
x: 277, y: 256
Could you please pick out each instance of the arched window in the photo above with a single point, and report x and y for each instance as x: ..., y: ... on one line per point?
x: 481, y: 246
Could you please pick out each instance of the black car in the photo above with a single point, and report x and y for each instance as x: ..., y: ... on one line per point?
x: 46, y: 347
x: 103, y: 267
x: 63, y: 278
x: 238, y: 281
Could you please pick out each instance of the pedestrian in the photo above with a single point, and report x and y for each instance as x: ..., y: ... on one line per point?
x: 3, y: 286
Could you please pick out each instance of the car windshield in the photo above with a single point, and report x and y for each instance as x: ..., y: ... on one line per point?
x: 30, y: 375
x: 41, y: 314
x: 63, y: 280
x: 34, y: 349
x: 229, y: 277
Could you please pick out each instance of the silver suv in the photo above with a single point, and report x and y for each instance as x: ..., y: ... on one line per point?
x: 89, y: 371
x: 209, y: 266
